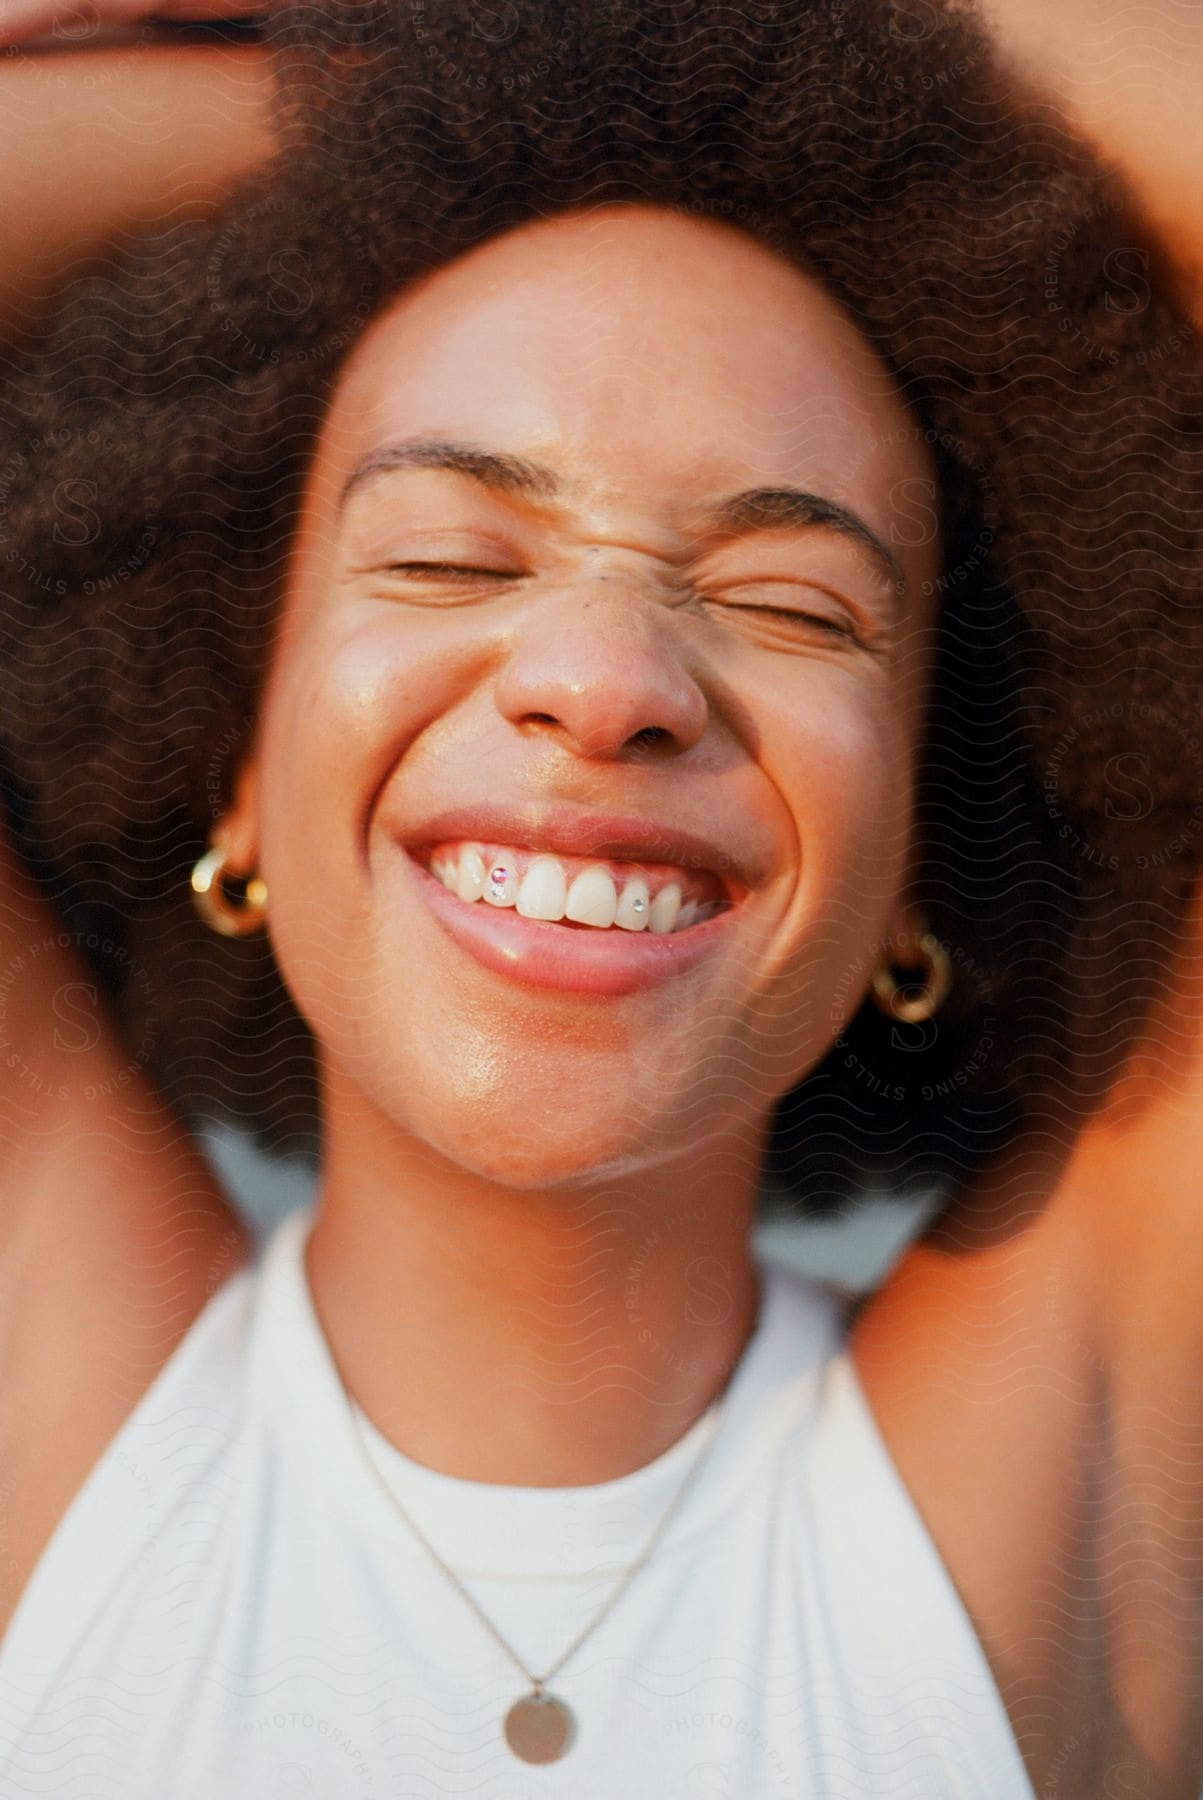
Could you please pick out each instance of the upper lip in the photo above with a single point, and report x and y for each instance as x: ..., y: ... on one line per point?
x: 570, y: 831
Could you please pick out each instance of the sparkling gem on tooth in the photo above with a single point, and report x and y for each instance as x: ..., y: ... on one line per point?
x: 632, y: 912
x: 501, y: 887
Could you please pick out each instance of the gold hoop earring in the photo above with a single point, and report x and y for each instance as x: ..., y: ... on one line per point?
x: 223, y: 915
x: 921, y: 994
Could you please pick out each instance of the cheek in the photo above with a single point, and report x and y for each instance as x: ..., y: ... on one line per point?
x: 346, y: 698
x: 344, y: 703
x: 846, y: 758
x: 846, y: 774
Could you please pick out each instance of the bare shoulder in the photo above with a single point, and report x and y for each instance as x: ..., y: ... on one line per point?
x: 100, y: 1279
x: 1057, y: 1506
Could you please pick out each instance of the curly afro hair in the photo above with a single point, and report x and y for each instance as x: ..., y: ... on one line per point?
x: 158, y: 427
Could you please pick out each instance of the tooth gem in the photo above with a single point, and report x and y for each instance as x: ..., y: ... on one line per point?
x: 632, y: 914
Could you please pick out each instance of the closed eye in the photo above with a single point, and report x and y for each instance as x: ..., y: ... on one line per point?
x: 444, y: 570
x: 441, y: 570
x: 799, y: 618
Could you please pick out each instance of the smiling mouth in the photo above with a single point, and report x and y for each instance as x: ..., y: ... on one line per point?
x: 581, y: 894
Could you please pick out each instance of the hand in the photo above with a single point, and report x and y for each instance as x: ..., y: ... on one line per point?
x: 75, y: 21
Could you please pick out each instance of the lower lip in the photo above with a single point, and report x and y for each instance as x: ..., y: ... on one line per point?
x: 542, y: 954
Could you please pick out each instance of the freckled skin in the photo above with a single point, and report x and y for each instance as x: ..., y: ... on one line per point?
x: 652, y: 361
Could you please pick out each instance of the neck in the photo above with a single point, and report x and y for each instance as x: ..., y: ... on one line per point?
x: 555, y: 1337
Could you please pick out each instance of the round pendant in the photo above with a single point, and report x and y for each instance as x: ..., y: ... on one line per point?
x: 539, y: 1728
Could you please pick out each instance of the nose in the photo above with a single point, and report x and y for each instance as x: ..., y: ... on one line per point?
x: 604, y: 676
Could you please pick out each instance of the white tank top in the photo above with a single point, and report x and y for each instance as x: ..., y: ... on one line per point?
x: 232, y: 1609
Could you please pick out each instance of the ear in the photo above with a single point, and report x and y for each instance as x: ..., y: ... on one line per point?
x: 237, y: 831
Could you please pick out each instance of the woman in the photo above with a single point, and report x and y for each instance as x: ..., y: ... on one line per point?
x: 535, y: 620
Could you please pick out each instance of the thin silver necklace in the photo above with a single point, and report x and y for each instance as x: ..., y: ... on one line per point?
x: 540, y: 1727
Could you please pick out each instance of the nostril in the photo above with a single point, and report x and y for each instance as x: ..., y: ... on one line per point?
x: 649, y: 736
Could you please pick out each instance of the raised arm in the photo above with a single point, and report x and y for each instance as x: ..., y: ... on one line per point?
x: 1131, y: 78
x: 105, y: 130
x: 106, y: 122
x: 113, y: 1234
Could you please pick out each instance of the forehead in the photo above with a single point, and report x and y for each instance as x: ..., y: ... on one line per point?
x: 643, y: 350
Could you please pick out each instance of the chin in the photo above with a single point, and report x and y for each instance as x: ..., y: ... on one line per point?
x: 518, y: 1122
x: 529, y: 1166
x: 613, y: 1154
x: 528, y: 1155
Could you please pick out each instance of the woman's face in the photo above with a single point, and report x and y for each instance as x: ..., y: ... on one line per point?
x: 608, y: 558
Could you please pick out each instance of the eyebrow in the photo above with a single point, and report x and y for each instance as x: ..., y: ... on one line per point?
x: 505, y: 474
x: 754, y: 509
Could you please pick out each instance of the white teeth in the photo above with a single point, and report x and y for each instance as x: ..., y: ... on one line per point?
x: 633, y: 907
x: 664, y: 909
x: 544, y: 892
x: 543, y: 889
x: 471, y: 878
x: 592, y: 898
x: 501, y: 882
